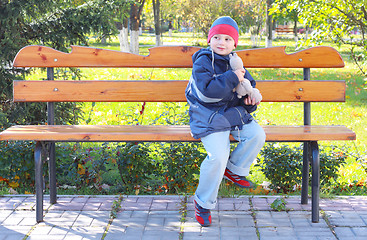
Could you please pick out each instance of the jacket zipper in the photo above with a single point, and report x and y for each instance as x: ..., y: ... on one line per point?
x: 212, y: 116
x: 240, y: 115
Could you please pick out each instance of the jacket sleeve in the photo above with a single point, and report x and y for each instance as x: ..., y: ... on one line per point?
x: 209, y: 85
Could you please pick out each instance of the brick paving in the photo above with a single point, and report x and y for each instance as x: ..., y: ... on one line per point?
x: 172, y: 217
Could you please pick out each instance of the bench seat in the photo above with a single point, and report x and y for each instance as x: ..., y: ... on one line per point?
x: 162, y: 133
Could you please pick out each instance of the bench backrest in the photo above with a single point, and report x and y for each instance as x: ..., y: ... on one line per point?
x: 171, y: 57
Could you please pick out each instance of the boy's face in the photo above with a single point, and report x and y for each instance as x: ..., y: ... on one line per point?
x: 222, y: 44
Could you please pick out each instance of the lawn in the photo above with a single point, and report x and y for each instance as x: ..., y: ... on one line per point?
x: 352, y: 113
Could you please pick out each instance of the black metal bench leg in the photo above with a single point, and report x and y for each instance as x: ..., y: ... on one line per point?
x: 305, y: 172
x: 39, y: 181
x: 52, y: 173
x: 315, y: 181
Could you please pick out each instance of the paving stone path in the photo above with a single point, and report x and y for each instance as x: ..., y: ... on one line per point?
x: 172, y: 217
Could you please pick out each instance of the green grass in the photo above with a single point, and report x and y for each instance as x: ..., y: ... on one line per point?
x: 352, y: 113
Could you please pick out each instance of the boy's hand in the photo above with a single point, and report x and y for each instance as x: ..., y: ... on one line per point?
x: 240, y: 74
x: 251, y: 101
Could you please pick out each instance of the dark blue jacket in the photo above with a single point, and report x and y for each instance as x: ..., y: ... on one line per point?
x: 214, y: 107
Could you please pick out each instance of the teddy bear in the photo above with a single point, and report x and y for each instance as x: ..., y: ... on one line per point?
x: 243, y: 88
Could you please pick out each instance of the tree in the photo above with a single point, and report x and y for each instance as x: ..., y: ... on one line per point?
x: 54, y: 23
x: 121, y: 19
x: 172, y: 11
x: 253, y: 19
x: 206, y: 11
x: 269, y: 25
x: 135, y: 13
x: 281, y: 12
x: 157, y: 22
x: 335, y: 20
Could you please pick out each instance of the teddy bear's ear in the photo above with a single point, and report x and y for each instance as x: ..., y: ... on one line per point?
x: 230, y: 55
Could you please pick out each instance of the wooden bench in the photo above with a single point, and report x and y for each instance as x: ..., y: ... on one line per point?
x: 52, y: 91
x: 284, y: 29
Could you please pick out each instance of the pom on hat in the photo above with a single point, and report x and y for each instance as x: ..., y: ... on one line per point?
x: 224, y: 25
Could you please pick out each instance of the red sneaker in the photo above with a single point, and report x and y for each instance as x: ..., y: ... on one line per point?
x: 238, y: 180
x: 202, y: 215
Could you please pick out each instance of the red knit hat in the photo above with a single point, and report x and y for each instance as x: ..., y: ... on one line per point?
x: 224, y: 25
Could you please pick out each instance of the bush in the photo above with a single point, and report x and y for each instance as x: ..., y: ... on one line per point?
x: 151, y: 168
x: 17, y: 163
x: 180, y: 166
x: 136, y: 166
x: 82, y: 167
x: 282, y: 165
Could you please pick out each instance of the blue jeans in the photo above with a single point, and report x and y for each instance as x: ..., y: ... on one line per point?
x: 217, y: 145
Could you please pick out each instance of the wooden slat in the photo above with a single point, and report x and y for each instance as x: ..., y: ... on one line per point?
x: 41, y: 56
x: 163, y: 133
x: 302, y: 91
x: 166, y: 91
x: 173, y: 56
x: 308, y: 133
x: 99, y: 91
x: 275, y: 57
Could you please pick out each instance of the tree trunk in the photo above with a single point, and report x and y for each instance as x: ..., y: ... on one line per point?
x: 124, y: 36
x: 134, y: 41
x: 295, y: 33
x: 269, y: 28
x: 170, y: 29
x: 103, y: 40
x: 295, y: 29
x: 306, y: 33
x: 135, y: 13
x: 157, y: 24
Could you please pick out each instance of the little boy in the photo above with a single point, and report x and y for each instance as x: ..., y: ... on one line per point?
x: 216, y: 112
